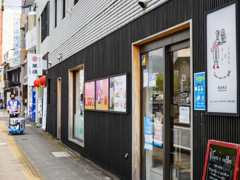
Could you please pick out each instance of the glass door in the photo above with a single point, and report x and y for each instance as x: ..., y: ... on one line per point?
x: 181, y: 115
x: 152, y: 114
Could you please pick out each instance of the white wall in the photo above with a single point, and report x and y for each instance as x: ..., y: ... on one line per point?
x: 7, y: 30
x: 90, y: 21
x: 42, y: 48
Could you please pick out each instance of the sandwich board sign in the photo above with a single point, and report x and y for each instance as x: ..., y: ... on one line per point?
x: 222, y: 161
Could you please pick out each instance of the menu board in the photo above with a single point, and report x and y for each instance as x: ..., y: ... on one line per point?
x: 118, y: 93
x: 222, y: 161
x: 101, y: 95
x: 89, y: 89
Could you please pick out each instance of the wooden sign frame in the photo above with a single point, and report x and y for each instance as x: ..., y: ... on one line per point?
x: 223, y: 144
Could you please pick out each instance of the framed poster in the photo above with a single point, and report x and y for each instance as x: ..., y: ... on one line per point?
x: 199, y: 91
x: 89, y: 89
x: 222, y: 161
x: 118, y: 93
x: 221, y: 61
x: 101, y: 94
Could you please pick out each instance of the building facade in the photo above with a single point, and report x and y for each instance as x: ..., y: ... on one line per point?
x: 148, y: 128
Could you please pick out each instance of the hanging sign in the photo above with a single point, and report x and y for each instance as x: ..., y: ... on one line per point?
x: 221, y: 57
x: 222, y: 161
x: 199, y: 91
x: 148, y: 133
x: 34, y: 64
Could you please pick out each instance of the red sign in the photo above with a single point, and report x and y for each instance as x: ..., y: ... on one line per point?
x: 222, y: 161
x: 34, y: 58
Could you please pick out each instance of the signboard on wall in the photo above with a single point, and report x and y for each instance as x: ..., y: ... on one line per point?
x: 101, y: 94
x: 118, y: 93
x: 222, y: 161
x: 89, y: 89
x: 221, y: 60
x: 199, y: 91
x: 35, y: 64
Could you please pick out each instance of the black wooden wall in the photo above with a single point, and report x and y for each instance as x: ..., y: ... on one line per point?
x: 108, y: 136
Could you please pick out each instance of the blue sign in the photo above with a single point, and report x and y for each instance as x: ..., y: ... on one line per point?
x: 17, y: 23
x: 16, y: 53
x: 148, y: 133
x: 16, y: 45
x: 199, y: 91
x: 16, y: 31
x: 16, y: 38
x: 16, y: 60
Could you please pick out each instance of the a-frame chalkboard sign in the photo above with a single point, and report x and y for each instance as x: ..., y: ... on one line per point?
x: 222, y: 161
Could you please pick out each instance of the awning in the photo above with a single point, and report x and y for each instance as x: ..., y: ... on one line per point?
x: 2, y: 97
x: 13, y: 68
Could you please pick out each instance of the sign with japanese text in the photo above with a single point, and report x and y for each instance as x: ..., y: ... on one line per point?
x: 16, y: 53
x: 221, y: 61
x: 16, y: 31
x: 34, y: 64
x: 148, y: 133
x: 16, y: 60
x: 199, y: 91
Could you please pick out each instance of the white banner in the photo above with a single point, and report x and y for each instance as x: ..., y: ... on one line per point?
x: 221, y: 61
x: 34, y: 64
x: 39, y: 108
x: 44, y: 118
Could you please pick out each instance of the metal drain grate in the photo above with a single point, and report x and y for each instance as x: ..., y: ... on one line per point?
x: 60, y: 154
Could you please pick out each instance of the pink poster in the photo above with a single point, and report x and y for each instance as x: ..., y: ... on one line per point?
x: 102, y: 94
x: 89, y: 95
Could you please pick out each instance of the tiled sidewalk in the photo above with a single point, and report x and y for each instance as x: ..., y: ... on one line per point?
x: 10, y: 169
x: 39, y: 147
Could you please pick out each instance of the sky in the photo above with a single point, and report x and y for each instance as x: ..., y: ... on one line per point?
x: 12, y: 4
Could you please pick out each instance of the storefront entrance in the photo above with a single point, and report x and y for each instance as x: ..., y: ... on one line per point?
x: 166, y: 109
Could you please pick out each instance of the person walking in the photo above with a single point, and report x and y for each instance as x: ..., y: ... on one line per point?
x: 13, y: 105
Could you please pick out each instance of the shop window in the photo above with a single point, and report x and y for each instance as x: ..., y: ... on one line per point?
x: 78, y: 131
x: 152, y: 112
x: 76, y: 108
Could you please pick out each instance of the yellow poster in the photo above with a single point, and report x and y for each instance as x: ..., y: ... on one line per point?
x: 0, y: 78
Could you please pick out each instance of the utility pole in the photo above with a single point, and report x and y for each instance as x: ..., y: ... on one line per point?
x: 2, y: 5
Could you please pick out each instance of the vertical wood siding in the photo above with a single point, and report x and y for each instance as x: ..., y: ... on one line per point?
x: 108, y: 136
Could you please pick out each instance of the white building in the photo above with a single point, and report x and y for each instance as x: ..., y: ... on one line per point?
x: 10, y: 30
